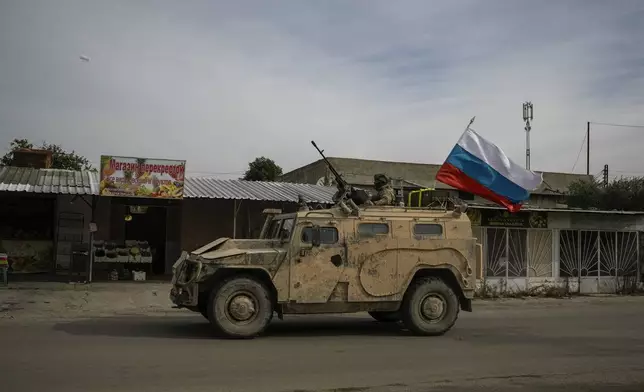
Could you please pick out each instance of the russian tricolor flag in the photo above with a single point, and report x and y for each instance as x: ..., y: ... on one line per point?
x: 479, y: 167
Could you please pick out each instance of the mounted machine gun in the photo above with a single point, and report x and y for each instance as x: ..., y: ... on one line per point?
x: 347, y: 197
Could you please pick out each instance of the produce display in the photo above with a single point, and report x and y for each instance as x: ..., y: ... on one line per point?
x: 129, y: 252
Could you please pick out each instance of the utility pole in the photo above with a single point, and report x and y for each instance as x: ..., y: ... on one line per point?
x: 588, y: 148
x: 605, y: 175
x: 527, y: 117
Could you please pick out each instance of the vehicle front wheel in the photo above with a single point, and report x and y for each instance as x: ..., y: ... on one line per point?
x: 430, y: 307
x: 240, y: 307
x: 386, y: 317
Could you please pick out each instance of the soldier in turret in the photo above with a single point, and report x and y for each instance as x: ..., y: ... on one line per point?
x: 386, y: 195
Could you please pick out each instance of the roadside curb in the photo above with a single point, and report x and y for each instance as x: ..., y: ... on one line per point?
x: 107, y: 286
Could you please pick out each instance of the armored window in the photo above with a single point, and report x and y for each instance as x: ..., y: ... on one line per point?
x: 372, y: 229
x: 273, y: 231
x: 328, y: 235
x: 427, y: 229
x: 287, y: 228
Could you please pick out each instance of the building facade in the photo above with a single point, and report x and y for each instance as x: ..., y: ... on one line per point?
x: 410, y: 176
x: 46, y: 212
x: 48, y: 217
x: 583, y: 251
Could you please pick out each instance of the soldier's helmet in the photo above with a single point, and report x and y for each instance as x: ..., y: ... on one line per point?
x: 380, y: 179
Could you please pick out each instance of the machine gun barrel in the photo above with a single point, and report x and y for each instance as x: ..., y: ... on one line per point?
x: 338, y: 178
x: 346, y: 194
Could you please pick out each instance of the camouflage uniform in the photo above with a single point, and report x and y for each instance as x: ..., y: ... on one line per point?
x: 386, y: 195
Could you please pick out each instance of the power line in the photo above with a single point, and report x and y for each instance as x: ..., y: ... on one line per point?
x: 588, y: 141
x: 628, y: 171
x: 215, y: 173
x: 618, y: 125
x: 579, y: 153
x: 599, y: 177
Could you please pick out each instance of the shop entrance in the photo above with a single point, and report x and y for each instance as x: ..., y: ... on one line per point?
x: 147, y: 224
x: 137, y: 240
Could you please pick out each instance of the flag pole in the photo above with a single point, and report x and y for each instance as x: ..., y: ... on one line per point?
x: 470, y: 124
x: 462, y: 206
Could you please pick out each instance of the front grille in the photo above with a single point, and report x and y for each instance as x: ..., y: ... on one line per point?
x: 190, y: 270
x: 187, y: 272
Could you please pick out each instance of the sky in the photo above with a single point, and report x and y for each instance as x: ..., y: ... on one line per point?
x: 218, y: 83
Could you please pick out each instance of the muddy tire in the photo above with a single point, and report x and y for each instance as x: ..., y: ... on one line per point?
x: 386, y: 317
x: 430, y: 307
x: 240, y: 307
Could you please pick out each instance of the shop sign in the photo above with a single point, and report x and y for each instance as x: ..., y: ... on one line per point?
x: 142, y: 177
x: 28, y: 256
x: 521, y: 219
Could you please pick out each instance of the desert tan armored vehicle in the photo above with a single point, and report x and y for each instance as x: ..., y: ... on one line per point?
x: 404, y: 264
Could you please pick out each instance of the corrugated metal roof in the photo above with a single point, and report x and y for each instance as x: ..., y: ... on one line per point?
x: 56, y: 181
x: 211, y: 188
x: 558, y: 209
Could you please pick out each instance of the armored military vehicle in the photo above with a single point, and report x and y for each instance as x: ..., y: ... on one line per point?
x: 399, y: 263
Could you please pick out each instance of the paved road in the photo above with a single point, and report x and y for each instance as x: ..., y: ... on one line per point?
x: 564, y: 345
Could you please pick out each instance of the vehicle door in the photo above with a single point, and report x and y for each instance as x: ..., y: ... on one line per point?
x: 376, y: 252
x: 318, y: 258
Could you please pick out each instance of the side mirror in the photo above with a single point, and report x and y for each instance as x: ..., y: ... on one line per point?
x: 315, y: 236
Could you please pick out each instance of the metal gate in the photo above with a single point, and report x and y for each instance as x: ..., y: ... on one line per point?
x: 595, y: 260
x: 595, y: 253
x: 599, y: 260
x: 518, y: 253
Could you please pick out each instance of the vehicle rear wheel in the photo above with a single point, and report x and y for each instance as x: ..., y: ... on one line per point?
x: 430, y: 307
x: 240, y: 307
x: 386, y: 317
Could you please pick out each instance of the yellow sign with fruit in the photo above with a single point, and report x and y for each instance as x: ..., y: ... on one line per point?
x: 142, y: 177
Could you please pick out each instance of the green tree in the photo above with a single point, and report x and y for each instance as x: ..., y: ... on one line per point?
x: 584, y: 194
x: 624, y: 194
x: 262, y: 169
x: 60, y: 159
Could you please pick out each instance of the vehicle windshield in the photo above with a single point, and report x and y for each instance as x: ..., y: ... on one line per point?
x: 280, y: 228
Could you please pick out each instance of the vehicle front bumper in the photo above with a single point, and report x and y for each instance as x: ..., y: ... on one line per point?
x: 183, y: 294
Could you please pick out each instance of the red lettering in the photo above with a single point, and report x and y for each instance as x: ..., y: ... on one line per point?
x: 172, y: 170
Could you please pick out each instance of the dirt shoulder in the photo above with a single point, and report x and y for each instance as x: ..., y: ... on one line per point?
x: 31, y: 301
x: 59, y: 301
